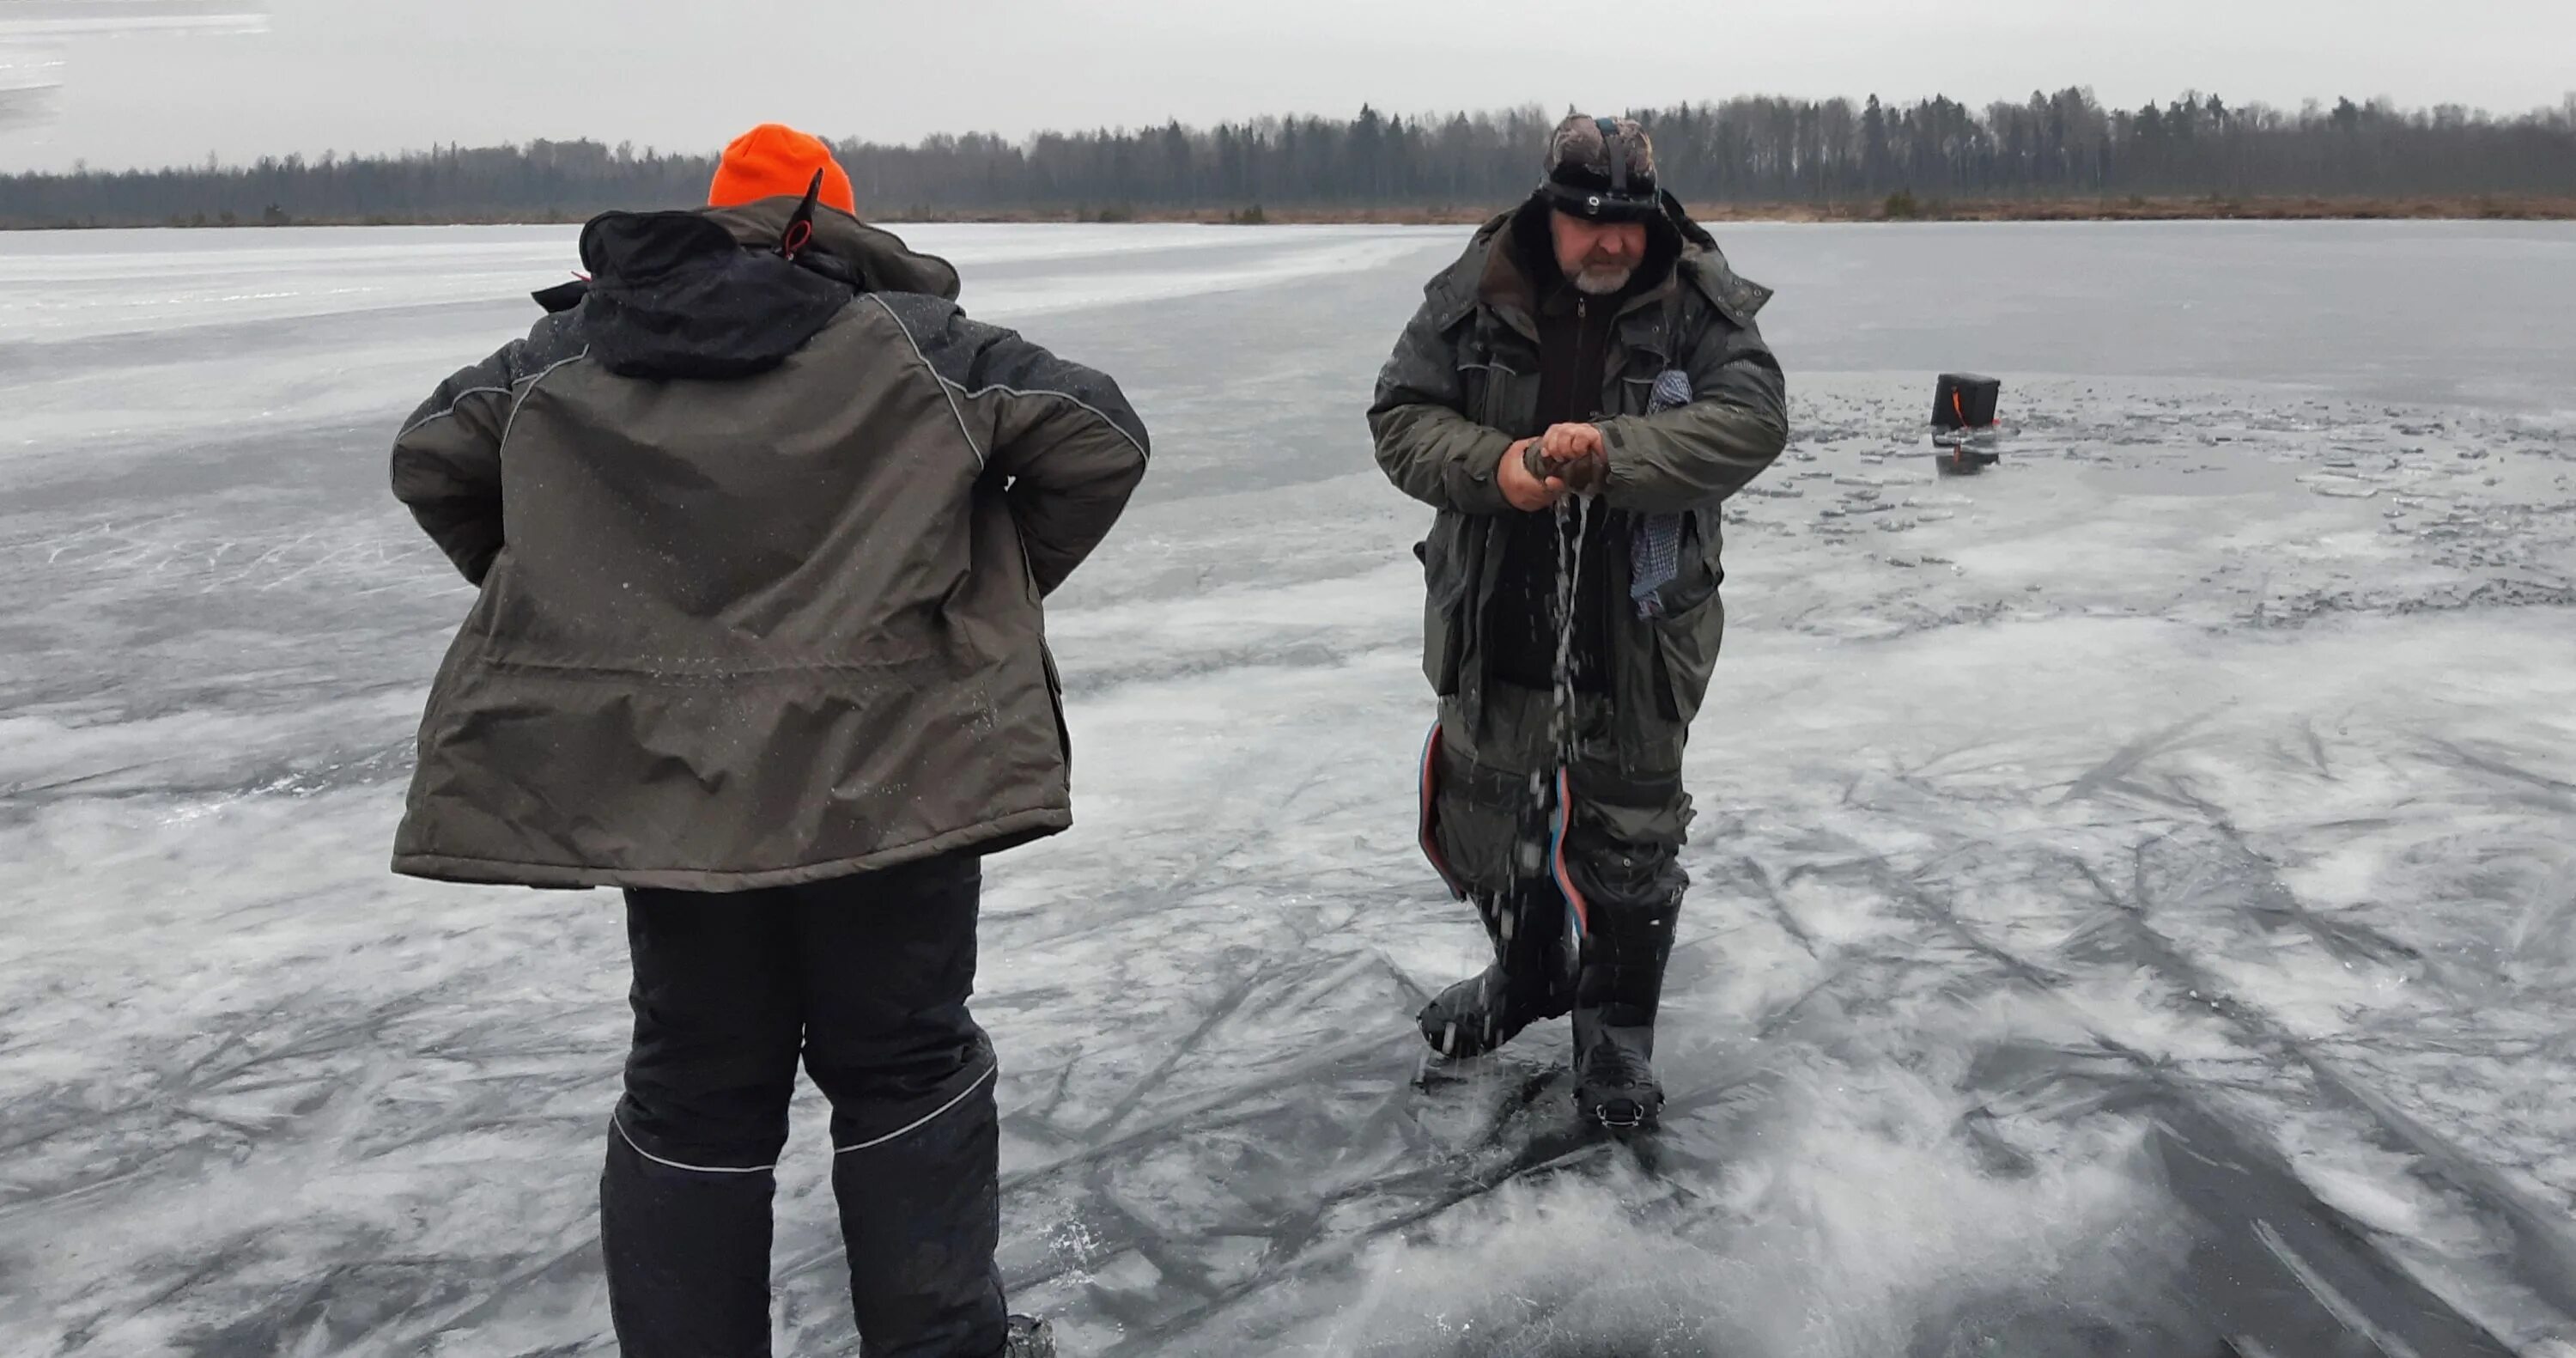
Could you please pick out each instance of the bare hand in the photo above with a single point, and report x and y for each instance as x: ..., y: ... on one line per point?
x: 1577, y: 453
x: 1526, y: 493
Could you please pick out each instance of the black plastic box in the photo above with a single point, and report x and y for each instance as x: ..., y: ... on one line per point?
x: 1965, y: 401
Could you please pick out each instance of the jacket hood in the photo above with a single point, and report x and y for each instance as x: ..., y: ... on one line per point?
x: 705, y: 293
x: 865, y: 257
x: 675, y: 294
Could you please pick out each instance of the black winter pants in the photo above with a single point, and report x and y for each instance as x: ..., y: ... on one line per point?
x: 866, y: 980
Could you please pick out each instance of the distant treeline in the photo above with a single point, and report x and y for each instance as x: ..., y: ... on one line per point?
x: 1742, y: 151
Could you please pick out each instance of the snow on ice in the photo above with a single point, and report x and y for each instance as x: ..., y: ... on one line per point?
x: 2135, y: 904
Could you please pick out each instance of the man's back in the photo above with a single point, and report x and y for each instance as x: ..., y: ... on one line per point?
x: 761, y: 556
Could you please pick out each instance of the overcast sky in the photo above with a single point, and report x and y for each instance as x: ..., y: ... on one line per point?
x: 376, y: 75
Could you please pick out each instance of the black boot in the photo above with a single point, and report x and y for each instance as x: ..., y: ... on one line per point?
x: 920, y: 1217
x: 1531, y: 978
x: 1616, y: 995
x: 687, y: 1254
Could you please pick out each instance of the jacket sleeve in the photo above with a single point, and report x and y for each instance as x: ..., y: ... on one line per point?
x: 1698, y: 454
x: 1066, y: 437
x: 1425, y: 442
x: 447, y: 459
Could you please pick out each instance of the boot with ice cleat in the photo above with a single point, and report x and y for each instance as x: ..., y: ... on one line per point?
x: 1531, y: 978
x: 1616, y: 995
x: 1614, y: 1072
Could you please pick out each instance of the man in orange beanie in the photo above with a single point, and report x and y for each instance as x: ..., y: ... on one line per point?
x: 761, y: 524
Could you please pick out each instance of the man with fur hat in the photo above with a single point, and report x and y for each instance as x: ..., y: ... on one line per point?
x: 761, y: 524
x: 1576, y: 397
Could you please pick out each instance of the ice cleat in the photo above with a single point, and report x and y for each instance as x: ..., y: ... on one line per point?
x: 1614, y: 1073
x: 1029, y: 1339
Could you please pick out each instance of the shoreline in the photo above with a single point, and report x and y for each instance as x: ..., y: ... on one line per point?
x: 1896, y: 210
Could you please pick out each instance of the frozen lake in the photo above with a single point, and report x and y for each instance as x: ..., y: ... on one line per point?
x: 2135, y: 904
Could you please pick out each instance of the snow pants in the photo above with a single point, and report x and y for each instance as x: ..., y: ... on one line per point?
x: 865, y: 980
x: 1574, y: 831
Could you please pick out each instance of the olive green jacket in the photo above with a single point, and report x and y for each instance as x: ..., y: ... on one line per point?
x: 1462, y: 386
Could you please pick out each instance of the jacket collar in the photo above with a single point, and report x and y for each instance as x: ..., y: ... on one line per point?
x: 1500, y: 283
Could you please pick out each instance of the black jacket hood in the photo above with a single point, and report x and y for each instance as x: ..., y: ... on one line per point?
x: 673, y: 294
x: 706, y: 294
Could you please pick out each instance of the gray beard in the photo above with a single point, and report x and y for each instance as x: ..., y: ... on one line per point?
x: 1602, y: 282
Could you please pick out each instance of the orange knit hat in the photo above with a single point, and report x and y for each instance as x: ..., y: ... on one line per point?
x: 775, y: 161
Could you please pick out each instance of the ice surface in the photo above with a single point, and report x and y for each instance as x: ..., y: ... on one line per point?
x: 2136, y: 895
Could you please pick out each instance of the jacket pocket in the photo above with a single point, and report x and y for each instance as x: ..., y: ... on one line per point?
x: 1055, y: 700
x: 1686, y: 649
x: 1690, y: 624
x: 1697, y: 571
x: 1497, y: 381
x: 1446, y: 570
x: 1441, y: 650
